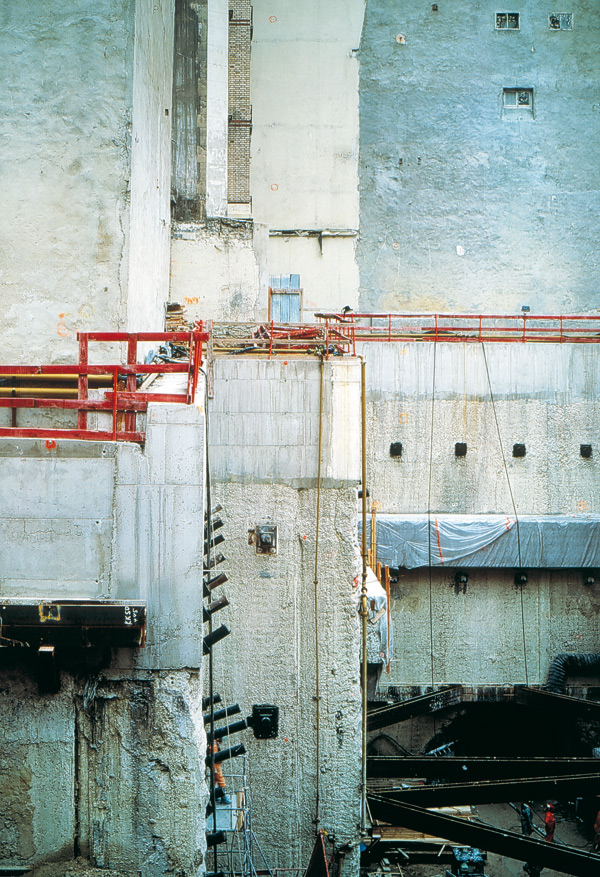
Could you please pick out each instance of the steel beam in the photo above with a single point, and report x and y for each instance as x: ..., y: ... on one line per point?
x: 496, y: 791
x: 416, y: 706
x: 567, y: 860
x: 548, y: 700
x: 461, y: 769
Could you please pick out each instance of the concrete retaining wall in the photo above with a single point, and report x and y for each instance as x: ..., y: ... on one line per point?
x: 263, y: 435
x: 545, y: 397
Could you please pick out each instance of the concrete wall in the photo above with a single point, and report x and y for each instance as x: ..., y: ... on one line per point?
x: 66, y: 129
x: 110, y: 769
x: 263, y: 434
x: 150, y: 165
x: 305, y: 142
x: 463, y: 208
x: 112, y: 766
x: 545, y: 397
x: 87, y: 135
x: 110, y: 521
x: 215, y: 271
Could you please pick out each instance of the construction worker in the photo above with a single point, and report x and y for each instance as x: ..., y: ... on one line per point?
x: 550, y: 823
x: 221, y: 795
x: 596, y: 846
x: 526, y: 818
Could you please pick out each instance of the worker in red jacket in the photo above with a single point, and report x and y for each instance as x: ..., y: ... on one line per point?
x: 550, y: 823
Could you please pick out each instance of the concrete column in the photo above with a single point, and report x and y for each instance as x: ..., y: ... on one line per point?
x: 149, y: 247
x: 217, y: 107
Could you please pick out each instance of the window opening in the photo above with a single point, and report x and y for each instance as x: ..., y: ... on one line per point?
x: 517, y: 102
x: 507, y: 21
x: 285, y: 298
x: 560, y: 21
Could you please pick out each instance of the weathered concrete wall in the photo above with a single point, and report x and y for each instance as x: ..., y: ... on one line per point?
x: 545, y: 397
x: 37, y: 771
x: 327, y: 267
x: 66, y: 130
x: 86, y: 161
x: 268, y: 411
x: 264, y: 468
x: 111, y: 767
x: 462, y: 208
x: 215, y: 271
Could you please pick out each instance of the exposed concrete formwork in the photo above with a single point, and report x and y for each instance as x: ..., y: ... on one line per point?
x: 464, y: 206
x: 546, y: 398
x: 124, y: 736
x: 263, y: 452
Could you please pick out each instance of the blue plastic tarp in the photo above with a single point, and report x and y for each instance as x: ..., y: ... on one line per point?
x: 546, y: 541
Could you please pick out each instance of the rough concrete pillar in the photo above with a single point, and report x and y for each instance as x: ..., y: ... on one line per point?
x: 217, y: 107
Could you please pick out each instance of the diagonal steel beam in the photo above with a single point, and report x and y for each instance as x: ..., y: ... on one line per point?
x: 454, y: 768
x: 548, y: 700
x: 416, y: 706
x: 496, y: 791
x: 568, y: 860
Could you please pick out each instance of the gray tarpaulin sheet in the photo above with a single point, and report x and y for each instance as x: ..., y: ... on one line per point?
x: 550, y: 541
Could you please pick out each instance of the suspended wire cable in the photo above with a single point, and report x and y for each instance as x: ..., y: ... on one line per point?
x: 514, y: 505
x: 429, y: 517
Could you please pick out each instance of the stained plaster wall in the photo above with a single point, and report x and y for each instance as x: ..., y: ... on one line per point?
x: 86, y: 153
x: 108, y: 521
x: 216, y: 270
x: 263, y: 453
x: 545, y: 396
x: 460, y: 206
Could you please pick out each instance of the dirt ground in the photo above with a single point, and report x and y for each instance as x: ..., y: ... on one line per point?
x: 503, y: 816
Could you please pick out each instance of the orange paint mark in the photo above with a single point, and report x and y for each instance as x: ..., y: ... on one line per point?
x: 191, y: 301
x: 582, y: 505
x: 61, y: 329
x: 50, y: 444
x: 403, y: 418
x: 272, y: 18
x: 274, y: 187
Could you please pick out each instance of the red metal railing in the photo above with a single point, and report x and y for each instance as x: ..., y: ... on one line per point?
x: 21, y: 386
x: 361, y: 327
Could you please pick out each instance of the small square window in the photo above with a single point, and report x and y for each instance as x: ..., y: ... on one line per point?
x: 560, y: 21
x: 507, y: 21
x: 517, y: 102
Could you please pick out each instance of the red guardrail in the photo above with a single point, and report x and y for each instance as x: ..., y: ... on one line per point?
x: 364, y: 327
x: 22, y: 386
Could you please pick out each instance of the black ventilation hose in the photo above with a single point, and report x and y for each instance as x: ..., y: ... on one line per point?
x: 566, y: 662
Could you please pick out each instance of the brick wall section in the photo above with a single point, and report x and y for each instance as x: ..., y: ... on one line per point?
x: 240, y: 108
